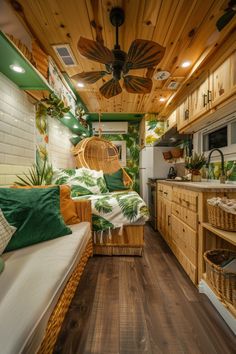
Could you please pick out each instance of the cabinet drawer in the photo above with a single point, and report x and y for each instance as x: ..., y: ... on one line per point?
x: 167, y: 192
x: 186, y: 215
x: 185, y: 198
x: 185, y: 239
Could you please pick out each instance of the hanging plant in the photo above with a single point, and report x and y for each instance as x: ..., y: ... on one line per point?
x: 55, y: 106
x: 80, y: 113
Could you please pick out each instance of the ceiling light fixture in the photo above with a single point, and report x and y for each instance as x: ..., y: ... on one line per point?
x: 80, y: 84
x: 162, y: 99
x: 185, y: 64
x: 75, y: 126
x: 67, y: 117
x: 17, y: 68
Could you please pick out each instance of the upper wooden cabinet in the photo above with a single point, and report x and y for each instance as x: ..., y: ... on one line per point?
x: 183, y: 114
x: 199, y: 100
x: 217, y: 87
x: 171, y: 121
x: 221, y: 82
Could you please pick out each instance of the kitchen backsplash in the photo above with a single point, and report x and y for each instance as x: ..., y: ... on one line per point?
x: 215, y: 170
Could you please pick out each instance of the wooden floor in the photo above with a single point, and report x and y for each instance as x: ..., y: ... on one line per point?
x: 142, y: 305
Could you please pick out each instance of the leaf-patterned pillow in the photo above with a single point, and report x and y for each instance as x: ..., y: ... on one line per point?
x: 83, y: 181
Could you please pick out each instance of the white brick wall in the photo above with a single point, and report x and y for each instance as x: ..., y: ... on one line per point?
x: 60, y: 145
x: 17, y: 131
x: 17, y: 135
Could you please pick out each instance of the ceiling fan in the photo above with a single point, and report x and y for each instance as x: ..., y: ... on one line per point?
x: 142, y: 54
x: 230, y: 11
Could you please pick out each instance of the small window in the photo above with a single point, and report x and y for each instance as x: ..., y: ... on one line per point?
x: 218, y: 138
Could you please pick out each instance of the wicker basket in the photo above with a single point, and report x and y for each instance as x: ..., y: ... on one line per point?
x: 167, y: 155
x: 223, y: 283
x: 177, y: 153
x: 221, y: 219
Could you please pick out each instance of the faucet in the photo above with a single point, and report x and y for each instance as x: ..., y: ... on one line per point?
x: 222, y: 176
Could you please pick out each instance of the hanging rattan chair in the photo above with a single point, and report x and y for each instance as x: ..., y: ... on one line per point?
x: 99, y: 154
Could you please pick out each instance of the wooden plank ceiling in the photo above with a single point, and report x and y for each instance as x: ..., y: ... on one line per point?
x: 186, y: 28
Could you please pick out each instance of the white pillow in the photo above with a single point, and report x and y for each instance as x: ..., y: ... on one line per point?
x: 6, y: 232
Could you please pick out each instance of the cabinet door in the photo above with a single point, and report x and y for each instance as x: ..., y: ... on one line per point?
x: 160, y: 214
x: 170, y: 121
x: 221, y: 82
x: 233, y: 70
x: 183, y: 114
x: 168, y: 235
x: 199, y: 100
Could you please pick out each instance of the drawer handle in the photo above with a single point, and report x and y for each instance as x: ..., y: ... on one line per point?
x: 177, y: 211
x: 183, y: 230
x: 166, y: 193
x: 186, y: 217
x: 159, y: 190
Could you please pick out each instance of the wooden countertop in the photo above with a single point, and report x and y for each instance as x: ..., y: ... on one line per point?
x: 201, y: 186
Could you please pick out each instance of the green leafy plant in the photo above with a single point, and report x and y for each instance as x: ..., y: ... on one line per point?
x: 55, y: 106
x: 38, y: 174
x: 195, y: 162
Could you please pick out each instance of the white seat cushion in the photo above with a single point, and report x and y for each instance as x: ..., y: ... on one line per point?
x: 30, y: 286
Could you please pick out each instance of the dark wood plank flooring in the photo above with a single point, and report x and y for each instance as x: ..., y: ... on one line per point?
x: 133, y: 305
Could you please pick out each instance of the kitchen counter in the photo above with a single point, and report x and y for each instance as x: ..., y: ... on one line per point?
x: 201, y: 186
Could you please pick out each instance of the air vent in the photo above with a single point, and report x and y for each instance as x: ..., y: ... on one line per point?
x: 65, y: 55
x: 173, y: 85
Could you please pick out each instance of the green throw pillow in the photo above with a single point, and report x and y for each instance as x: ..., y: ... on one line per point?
x: 115, y: 182
x: 35, y: 213
x: 1, y: 265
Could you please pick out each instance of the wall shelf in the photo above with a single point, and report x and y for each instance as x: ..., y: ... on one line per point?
x: 31, y: 79
x: 226, y: 235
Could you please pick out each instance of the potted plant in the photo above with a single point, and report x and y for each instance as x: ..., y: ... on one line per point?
x: 194, y: 164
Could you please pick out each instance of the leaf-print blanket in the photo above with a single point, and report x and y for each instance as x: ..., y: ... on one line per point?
x: 113, y: 210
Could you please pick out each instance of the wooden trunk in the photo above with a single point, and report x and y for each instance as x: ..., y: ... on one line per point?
x: 129, y: 243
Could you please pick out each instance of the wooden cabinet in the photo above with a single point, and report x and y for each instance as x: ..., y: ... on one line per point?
x: 199, y: 100
x: 171, y: 121
x: 177, y: 223
x: 223, y: 80
x: 183, y: 114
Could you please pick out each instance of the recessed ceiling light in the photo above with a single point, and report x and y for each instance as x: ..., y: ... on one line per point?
x: 162, y: 99
x: 186, y: 64
x: 80, y: 84
x: 67, y: 117
x: 75, y: 126
x: 17, y: 69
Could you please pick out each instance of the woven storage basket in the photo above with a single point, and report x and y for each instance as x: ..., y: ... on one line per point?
x: 177, y: 153
x: 220, y: 218
x: 223, y: 283
x: 167, y: 155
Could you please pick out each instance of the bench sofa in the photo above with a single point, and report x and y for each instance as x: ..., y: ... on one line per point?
x: 37, y: 286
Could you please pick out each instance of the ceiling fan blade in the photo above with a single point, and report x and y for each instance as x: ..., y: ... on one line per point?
x: 89, y: 77
x: 95, y: 51
x: 137, y: 84
x: 143, y: 54
x: 225, y: 19
x: 111, y: 88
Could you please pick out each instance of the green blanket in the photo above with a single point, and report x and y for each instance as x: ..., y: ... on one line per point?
x: 113, y: 210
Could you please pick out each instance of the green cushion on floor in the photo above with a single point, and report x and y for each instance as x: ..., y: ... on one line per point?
x: 35, y: 213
